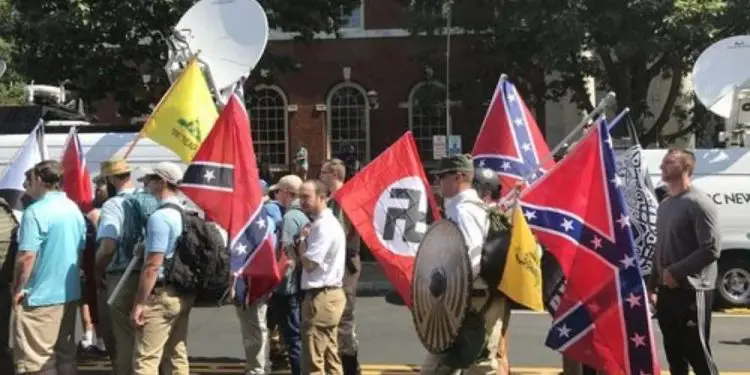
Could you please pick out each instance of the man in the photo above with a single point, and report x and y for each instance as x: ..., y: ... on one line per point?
x: 286, y: 299
x: 8, y: 251
x: 118, y: 234
x: 90, y: 311
x: 683, y: 278
x: 487, y: 185
x: 160, y: 314
x: 333, y: 174
x: 464, y: 207
x: 254, y: 317
x: 322, y: 253
x: 47, y: 283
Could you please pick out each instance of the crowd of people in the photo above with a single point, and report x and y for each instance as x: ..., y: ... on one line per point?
x: 144, y: 328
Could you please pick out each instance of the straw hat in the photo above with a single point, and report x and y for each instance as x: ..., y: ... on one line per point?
x: 114, y: 167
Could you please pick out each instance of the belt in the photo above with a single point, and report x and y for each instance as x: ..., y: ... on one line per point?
x: 321, y: 289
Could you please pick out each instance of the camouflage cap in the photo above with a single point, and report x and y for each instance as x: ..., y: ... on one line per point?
x: 455, y: 163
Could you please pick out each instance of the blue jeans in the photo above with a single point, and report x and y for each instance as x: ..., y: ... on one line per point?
x: 287, y: 315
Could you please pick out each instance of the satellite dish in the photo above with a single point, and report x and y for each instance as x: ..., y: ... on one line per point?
x: 720, y: 70
x: 231, y: 36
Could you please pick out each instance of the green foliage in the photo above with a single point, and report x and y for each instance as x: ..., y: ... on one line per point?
x: 623, y: 44
x: 11, y: 83
x: 105, y: 47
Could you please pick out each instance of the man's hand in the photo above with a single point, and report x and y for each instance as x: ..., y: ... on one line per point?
x: 305, y: 231
x: 652, y: 298
x: 18, y: 298
x: 136, y: 315
x: 668, y: 280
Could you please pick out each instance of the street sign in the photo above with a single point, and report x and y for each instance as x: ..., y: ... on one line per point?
x: 439, y: 147
x: 454, y: 145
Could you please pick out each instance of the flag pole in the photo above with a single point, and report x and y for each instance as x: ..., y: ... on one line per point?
x: 142, y: 132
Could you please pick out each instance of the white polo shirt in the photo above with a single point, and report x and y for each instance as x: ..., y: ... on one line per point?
x: 326, y: 246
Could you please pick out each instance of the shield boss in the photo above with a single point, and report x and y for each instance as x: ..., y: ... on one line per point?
x: 441, y: 286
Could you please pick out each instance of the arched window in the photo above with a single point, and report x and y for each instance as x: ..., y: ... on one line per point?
x: 427, y: 115
x: 349, y: 119
x: 268, y: 123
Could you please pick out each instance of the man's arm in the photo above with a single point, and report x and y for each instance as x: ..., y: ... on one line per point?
x: 29, y: 242
x: 291, y: 228
x: 316, y: 247
x: 705, y: 224
x: 157, y: 241
x: 108, y: 233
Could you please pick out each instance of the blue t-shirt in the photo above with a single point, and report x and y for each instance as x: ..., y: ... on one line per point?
x: 53, y: 227
x: 162, y: 230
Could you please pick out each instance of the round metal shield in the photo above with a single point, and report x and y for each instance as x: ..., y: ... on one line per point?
x: 441, y: 286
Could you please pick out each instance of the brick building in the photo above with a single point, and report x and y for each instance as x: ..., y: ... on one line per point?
x: 366, y: 86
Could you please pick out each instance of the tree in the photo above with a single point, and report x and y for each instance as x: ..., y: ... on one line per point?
x: 105, y: 47
x: 624, y: 45
x: 11, y: 83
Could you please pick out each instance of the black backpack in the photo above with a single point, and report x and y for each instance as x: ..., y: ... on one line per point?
x: 200, y: 265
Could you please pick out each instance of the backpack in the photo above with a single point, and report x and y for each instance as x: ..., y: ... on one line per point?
x: 200, y: 264
x: 137, y: 207
x: 495, y: 248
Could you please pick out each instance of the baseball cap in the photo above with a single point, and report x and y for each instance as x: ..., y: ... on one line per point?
x: 289, y: 182
x: 169, y: 172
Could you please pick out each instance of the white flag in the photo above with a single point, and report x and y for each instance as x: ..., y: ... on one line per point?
x: 641, y: 203
x: 33, y: 151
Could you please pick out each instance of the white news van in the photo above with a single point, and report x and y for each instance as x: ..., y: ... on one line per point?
x: 97, y: 147
x: 724, y: 174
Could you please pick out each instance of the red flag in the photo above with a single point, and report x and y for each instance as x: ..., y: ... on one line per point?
x: 76, y: 177
x: 223, y: 181
x: 509, y: 141
x: 387, y: 204
x: 577, y: 211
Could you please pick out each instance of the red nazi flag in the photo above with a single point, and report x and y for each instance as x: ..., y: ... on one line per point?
x: 387, y: 203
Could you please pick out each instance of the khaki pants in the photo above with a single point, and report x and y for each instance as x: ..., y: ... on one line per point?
x: 43, y: 337
x: 498, y: 344
x: 119, y: 319
x: 321, y: 314
x: 164, y: 332
x: 494, y: 325
x: 255, y: 337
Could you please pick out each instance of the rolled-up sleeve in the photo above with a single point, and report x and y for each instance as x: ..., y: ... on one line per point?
x: 111, y: 219
x: 157, y: 233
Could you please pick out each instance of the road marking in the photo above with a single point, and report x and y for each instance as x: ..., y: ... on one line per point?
x: 728, y: 313
x: 367, y: 369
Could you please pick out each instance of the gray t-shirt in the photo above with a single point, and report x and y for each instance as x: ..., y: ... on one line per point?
x: 688, y: 242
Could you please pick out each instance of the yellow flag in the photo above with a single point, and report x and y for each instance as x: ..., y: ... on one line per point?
x: 522, y: 276
x: 185, y: 114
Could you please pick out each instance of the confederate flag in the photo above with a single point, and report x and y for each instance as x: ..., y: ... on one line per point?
x: 577, y: 212
x: 509, y: 141
x: 223, y: 181
x: 387, y: 204
x: 76, y: 177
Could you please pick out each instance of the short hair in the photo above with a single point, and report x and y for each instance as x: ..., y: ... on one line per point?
x: 50, y: 172
x: 321, y: 189
x: 687, y: 159
x: 337, y: 167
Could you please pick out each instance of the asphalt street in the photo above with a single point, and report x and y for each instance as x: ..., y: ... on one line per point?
x: 388, y: 340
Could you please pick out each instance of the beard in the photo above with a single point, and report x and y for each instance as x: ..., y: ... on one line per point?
x: 111, y: 190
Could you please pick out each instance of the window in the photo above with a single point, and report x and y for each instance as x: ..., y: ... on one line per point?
x: 268, y: 123
x: 427, y: 115
x: 349, y: 119
x: 355, y: 19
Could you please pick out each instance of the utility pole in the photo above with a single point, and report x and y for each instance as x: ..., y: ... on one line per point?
x: 448, y: 11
